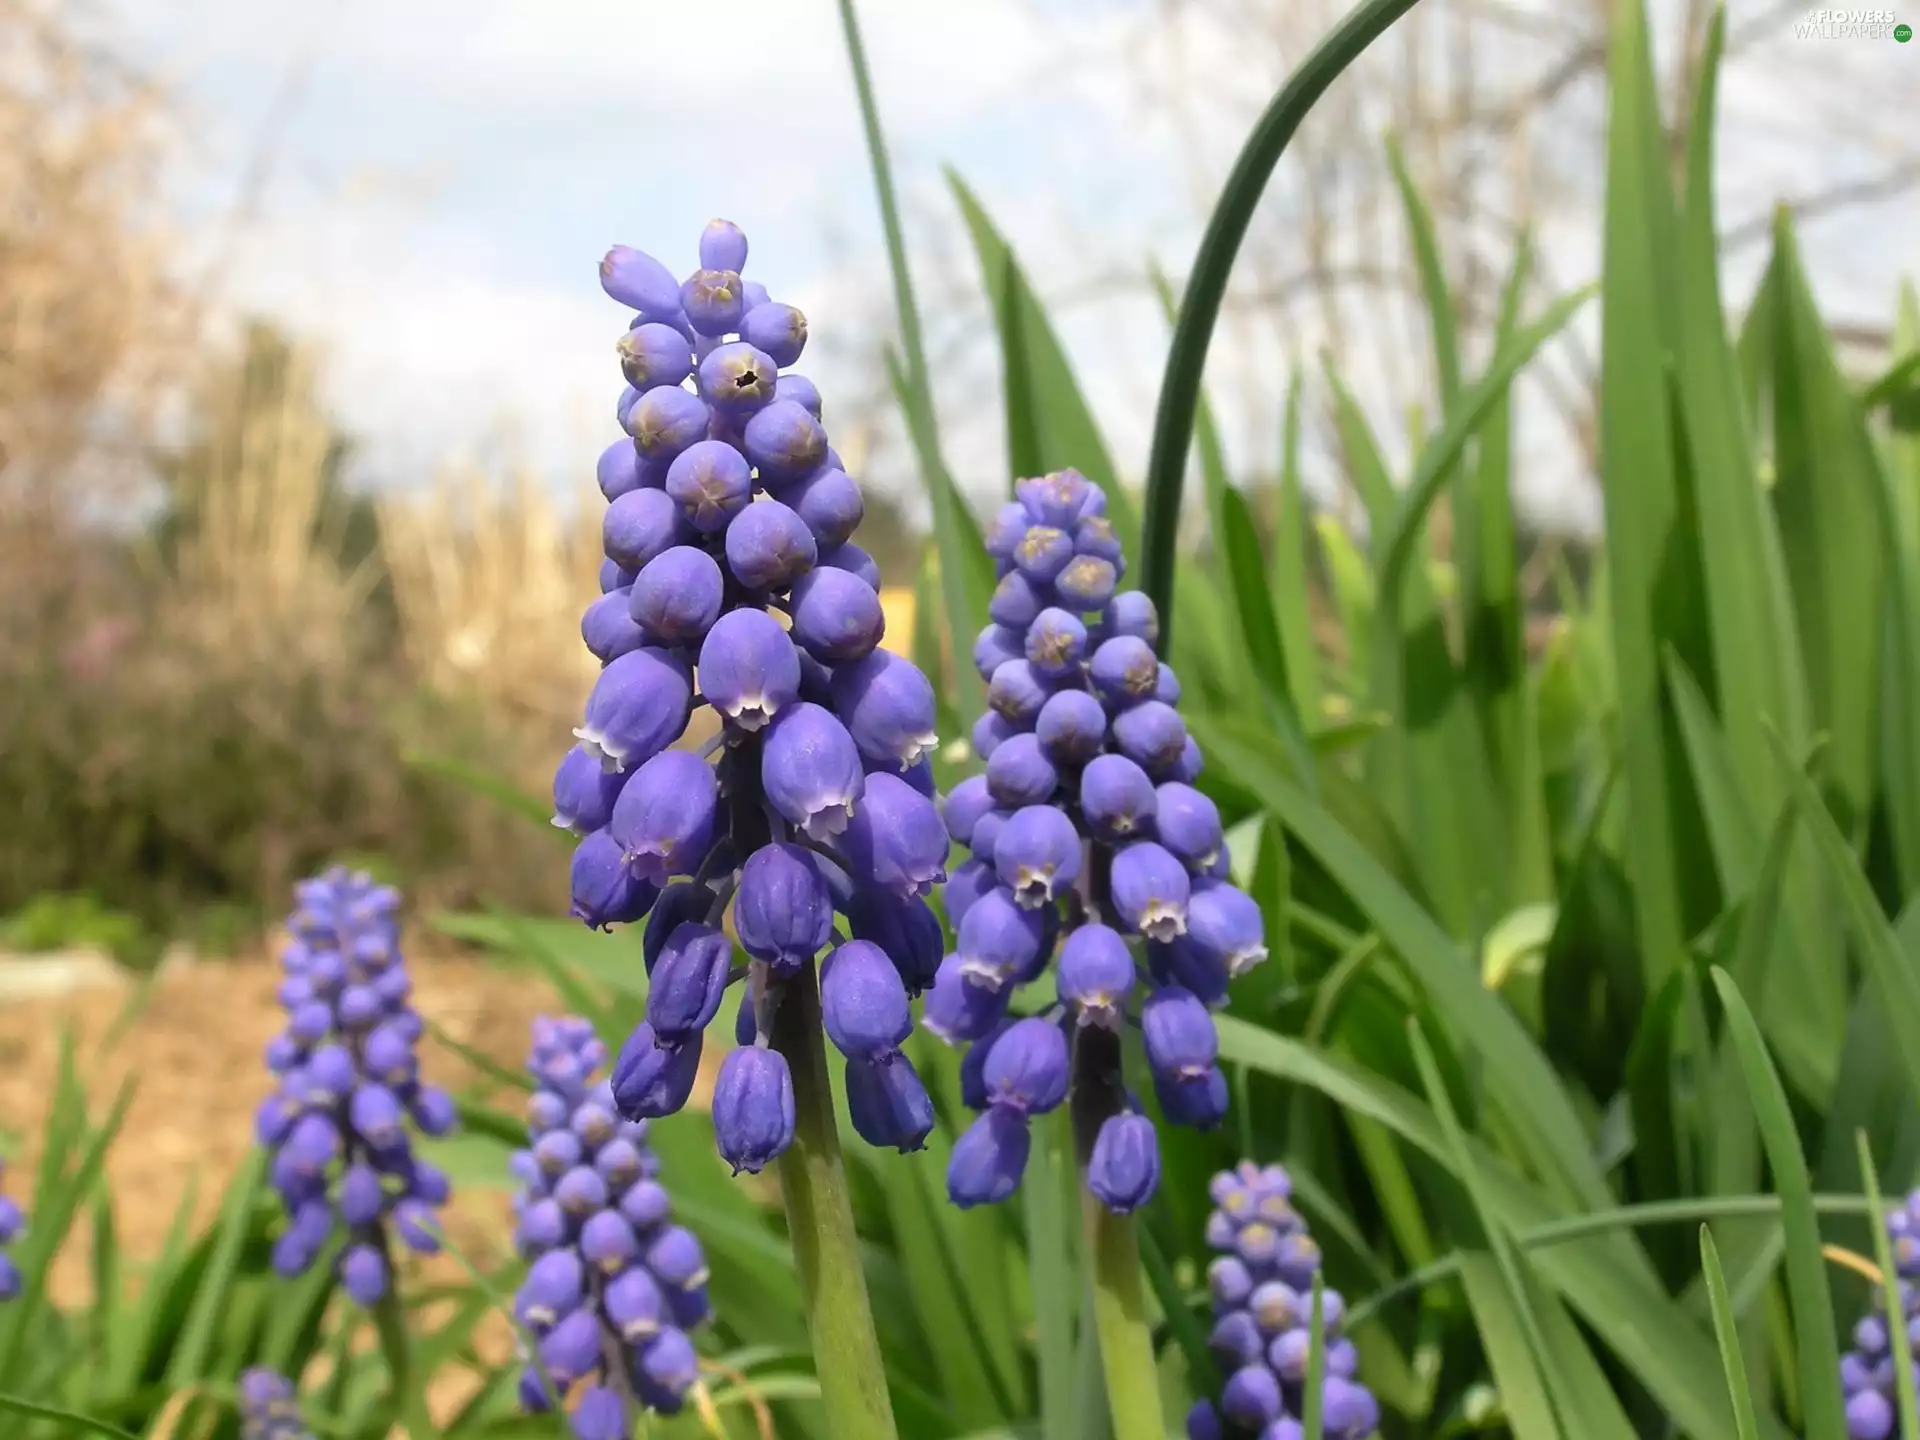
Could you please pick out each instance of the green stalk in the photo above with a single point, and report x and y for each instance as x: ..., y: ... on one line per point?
x: 813, y: 1180
x: 405, y: 1401
x: 1113, y: 1251
x: 1207, y: 287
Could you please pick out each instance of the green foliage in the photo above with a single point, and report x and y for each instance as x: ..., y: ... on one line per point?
x: 1590, y: 1028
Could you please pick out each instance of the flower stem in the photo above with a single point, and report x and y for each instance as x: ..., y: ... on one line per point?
x: 405, y: 1401
x: 1113, y: 1252
x: 813, y: 1180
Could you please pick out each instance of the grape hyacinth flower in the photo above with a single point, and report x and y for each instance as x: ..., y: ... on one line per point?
x: 340, y: 1123
x: 269, y: 1408
x: 1262, y: 1284
x: 613, y: 1286
x: 1869, y: 1371
x: 729, y: 532
x: 12, y: 1225
x: 1093, y: 857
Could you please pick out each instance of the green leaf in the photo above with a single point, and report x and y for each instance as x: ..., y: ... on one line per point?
x: 1046, y: 1197
x: 473, y: 779
x: 33, y: 1409
x: 1291, y: 571
x: 1890, y: 1294
x: 1806, y: 1271
x: 210, y: 1298
x: 1727, y: 1331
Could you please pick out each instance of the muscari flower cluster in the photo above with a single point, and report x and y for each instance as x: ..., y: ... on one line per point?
x: 269, y: 1409
x: 12, y: 1223
x: 1868, y: 1371
x: 1087, y: 836
x: 349, y: 1085
x: 612, y: 1285
x: 731, y: 565
x: 1262, y: 1284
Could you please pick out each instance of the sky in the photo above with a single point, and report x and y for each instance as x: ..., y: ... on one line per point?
x: 425, y: 188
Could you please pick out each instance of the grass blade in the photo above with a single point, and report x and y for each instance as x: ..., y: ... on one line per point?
x: 1822, y: 1411
x: 1289, y: 578
x: 34, y: 1410
x: 1897, y: 1323
x: 1726, y: 1329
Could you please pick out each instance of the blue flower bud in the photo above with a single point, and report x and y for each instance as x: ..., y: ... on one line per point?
x: 996, y: 645
x: 1252, y: 1396
x: 904, y: 928
x: 363, y: 1275
x: 635, y: 1305
x: 583, y: 792
x: 1027, y: 1068
x: 1181, y: 1041
x: 889, y: 1105
x: 990, y: 732
x: 619, y: 1163
x: 783, y: 912
x: 1086, y: 583
x: 784, y: 442
x: 1016, y: 693
x: 1132, y: 613
x: 676, y: 1260
x: 1124, y: 671
x: 738, y: 379
x: 571, y: 1350
x: 1348, y: 1411
x: 1185, y: 964
x: 713, y: 301
x: 986, y: 833
x: 1276, y: 1307
x: 678, y: 595
x: 1096, y: 974
x: 651, y: 1079
x: 1058, y: 498
x: 1019, y: 773
x: 780, y: 330
x: 688, y: 983
x: 710, y: 482
x: 557, y: 1152
x: 666, y: 421
x: 600, y: 1414
x: 723, y: 246
x: 1056, y: 643
x: 361, y: 1198
x: 989, y: 1158
x: 414, y: 1222
x: 1037, y: 855
x: 1152, y: 735
x: 829, y: 501
x: 1150, y: 890
x: 964, y: 805
x: 607, y: 1241
x: 888, y: 708
x: 676, y: 905
x: 1199, y: 1104
x: 638, y: 707
x: 1124, y: 1169
x: 960, y: 1006
x: 580, y: 1191
x: 1166, y: 689
x: 1043, y: 552
x: 614, y: 576
x: 669, y: 1363
x: 1188, y: 824
x: 802, y: 391
x: 753, y: 1114
x: 1071, y: 727
x: 653, y: 354
x: 1002, y: 942
x: 639, y: 281
x: 895, y: 838
x: 836, y: 617
x: 863, y: 1002
x: 1225, y: 925
x: 769, y: 546
x: 664, y: 819
x: 810, y: 771
x: 1203, y: 1422
x: 608, y: 628
x: 1017, y: 601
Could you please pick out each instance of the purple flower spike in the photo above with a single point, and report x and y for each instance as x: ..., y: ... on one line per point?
x: 1037, y: 855
x: 959, y: 1010
x: 749, y: 670
x: 784, y: 442
x: 989, y: 1159
x: 830, y: 502
x: 895, y: 839
x: 639, y: 281
x: 783, y: 912
x: 1096, y: 974
x: 1150, y: 891
x: 738, y: 379
x: 688, y: 983
x: 753, y: 1108
x: 584, y: 792
x: 666, y: 421
x: 888, y: 707
x: 711, y: 483
x: 810, y: 770
x: 780, y: 330
x: 890, y: 1106
x: 723, y: 246
x: 1019, y: 773
x: 664, y: 819
x: 651, y: 1079
x: 638, y: 707
x: 642, y: 524
x: 1124, y: 1170
x: 653, y: 355
x: 713, y: 301
x: 1181, y: 1041
x: 1072, y: 727
x: 769, y: 546
x: 1027, y: 1067
x: 863, y: 1002
x: 836, y: 616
